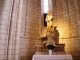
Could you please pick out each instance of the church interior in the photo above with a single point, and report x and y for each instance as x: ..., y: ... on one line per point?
x: 22, y: 27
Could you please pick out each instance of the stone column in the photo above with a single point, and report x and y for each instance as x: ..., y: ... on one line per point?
x: 5, y: 17
x: 10, y: 16
x: 14, y: 31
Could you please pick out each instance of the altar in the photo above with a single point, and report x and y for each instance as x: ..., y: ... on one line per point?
x: 52, y: 57
x: 50, y: 48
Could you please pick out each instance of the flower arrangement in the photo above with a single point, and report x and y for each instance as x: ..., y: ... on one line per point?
x: 50, y: 46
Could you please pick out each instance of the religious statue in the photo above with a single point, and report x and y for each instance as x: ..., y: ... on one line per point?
x: 49, y: 19
x: 49, y: 38
x: 55, y: 35
x: 52, y: 35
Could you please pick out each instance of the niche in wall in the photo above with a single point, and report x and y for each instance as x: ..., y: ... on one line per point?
x: 45, y: 24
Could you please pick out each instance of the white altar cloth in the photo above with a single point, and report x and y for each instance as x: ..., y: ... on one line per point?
x: 52, y: 57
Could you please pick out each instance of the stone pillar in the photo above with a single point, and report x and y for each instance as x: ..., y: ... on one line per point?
x: 5, y: 17
x: 9, y: 29
x: 13, y: 43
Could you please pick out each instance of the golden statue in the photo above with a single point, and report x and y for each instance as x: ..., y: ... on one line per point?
x: 49, y: 19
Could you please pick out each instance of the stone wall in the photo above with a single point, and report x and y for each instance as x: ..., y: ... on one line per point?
x: 66, y: 18
x: 30, y: 28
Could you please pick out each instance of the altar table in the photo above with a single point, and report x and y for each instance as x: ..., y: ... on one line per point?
x: 52, y: 57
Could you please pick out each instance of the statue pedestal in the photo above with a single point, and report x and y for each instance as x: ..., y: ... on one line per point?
x: 40, y: 49
x: 60, y: 48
